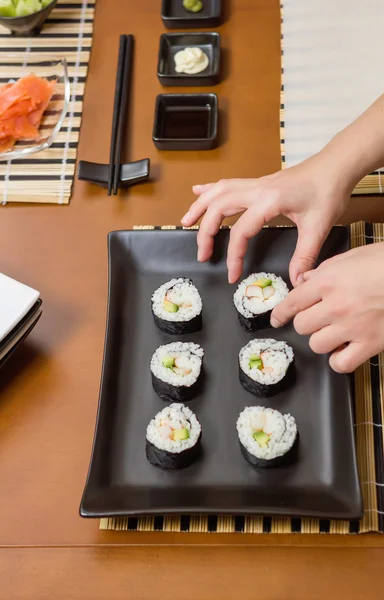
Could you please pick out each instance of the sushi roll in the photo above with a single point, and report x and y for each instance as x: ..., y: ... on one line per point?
x: 173, y: 439
x: 267, y: 438
x: 266, y: 366
x: 256, y: 297
x: 177, y: 307
x: 176, y: 371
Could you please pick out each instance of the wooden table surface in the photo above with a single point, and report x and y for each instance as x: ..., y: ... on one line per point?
x: 49, y: 390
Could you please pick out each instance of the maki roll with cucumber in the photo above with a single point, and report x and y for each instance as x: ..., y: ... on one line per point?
x: 267, y: 438
x: 177, y: 307
x: 173, y: 439
x: 256, y: 297
x: 266, y: 366
x: 176, y: 371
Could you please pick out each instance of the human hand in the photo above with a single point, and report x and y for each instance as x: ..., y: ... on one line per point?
x: 313, y: 195
x: 341, y: 306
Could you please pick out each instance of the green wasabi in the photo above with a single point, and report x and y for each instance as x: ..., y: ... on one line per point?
x: 193, y: 5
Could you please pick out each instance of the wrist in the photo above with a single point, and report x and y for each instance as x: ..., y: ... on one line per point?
x: 345, y: 164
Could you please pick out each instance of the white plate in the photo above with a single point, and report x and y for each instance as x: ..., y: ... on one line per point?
x: 15, y: 340
x: 16, y: 299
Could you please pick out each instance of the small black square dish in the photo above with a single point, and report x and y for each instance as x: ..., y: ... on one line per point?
x: 172, y: 43
x: 174, y: 15
x: 185, y: 122
x: 322, y: 480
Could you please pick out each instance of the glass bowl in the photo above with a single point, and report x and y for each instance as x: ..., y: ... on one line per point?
x: 29, y: 24
x: 54, y: 115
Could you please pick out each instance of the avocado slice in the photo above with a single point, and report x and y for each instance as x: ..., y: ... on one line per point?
x: 180, y: 434
x: 7, y: 8
x: 170, y: 306
x: 263, y: 282
x: 168, y: 362
x: 27, y: 7
x: 261, y: 438
x: 256, y: 364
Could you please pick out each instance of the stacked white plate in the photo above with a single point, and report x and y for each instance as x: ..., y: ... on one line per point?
x: 20, y: 309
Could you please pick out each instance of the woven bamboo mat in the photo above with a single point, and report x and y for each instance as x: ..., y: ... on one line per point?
x: 47, y: 177
x: 331, y: 72
x: 369, y: 406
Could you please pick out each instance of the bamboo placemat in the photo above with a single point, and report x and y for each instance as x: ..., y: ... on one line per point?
x: 363, y: 87
x: 47, y: 177
x: 369, y: 406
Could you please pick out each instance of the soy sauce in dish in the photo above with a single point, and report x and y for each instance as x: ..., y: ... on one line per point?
x: 186, y: 122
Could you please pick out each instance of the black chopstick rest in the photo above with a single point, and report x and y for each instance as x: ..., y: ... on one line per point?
x: 115, y: 175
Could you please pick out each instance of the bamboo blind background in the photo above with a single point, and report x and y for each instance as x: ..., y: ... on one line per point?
x: 369, y: 406
x: 303, y: 28
x: 47, y: 177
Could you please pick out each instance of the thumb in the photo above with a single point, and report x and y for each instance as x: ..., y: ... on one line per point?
x: 308, y: 246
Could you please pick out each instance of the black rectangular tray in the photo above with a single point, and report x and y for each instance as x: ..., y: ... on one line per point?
x: 322, y: 483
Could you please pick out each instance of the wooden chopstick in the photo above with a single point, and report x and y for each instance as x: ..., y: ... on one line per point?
x: 116, y: 111
x: 126, y: 79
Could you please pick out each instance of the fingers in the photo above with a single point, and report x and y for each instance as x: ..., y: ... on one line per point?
x: 209, y: 227
x: 248, y: 225
x: 327, y: 263
x: 314, y: 318
x: 308, y: 246
x: 299, y: 299
x: 213, y: 193
x: 196, y: 210
x: 348, y: 358
x: 200, y: 189
x: 327, y: 339
x: 199, y: 207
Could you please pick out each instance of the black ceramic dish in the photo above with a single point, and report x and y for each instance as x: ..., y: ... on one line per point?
x: 185, y: 122
x: 171, y: 43
x: 175, y: 16
x: 321, y: 482
x: 30, y: 24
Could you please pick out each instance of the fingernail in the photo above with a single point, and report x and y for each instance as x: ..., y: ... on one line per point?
x: 275, y: 323
x: 186, y: 217
x: 300, y: 279
x: 198, y: 185
x: 199, y: 256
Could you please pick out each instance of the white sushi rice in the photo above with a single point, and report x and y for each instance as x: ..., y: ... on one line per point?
x: 277, y: 355
x: 249, y: 307
x: 193, y: 352
x: 281, y: 428
x: 183, y: 290
x: 176, y: 416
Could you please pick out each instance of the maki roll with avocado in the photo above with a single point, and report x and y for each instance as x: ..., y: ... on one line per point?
x: 266, y: 366
x: 267, y: 438
x: 176, y: 371
x: 256, y: 297
x: 173, y: 439
x: 177, y: 307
